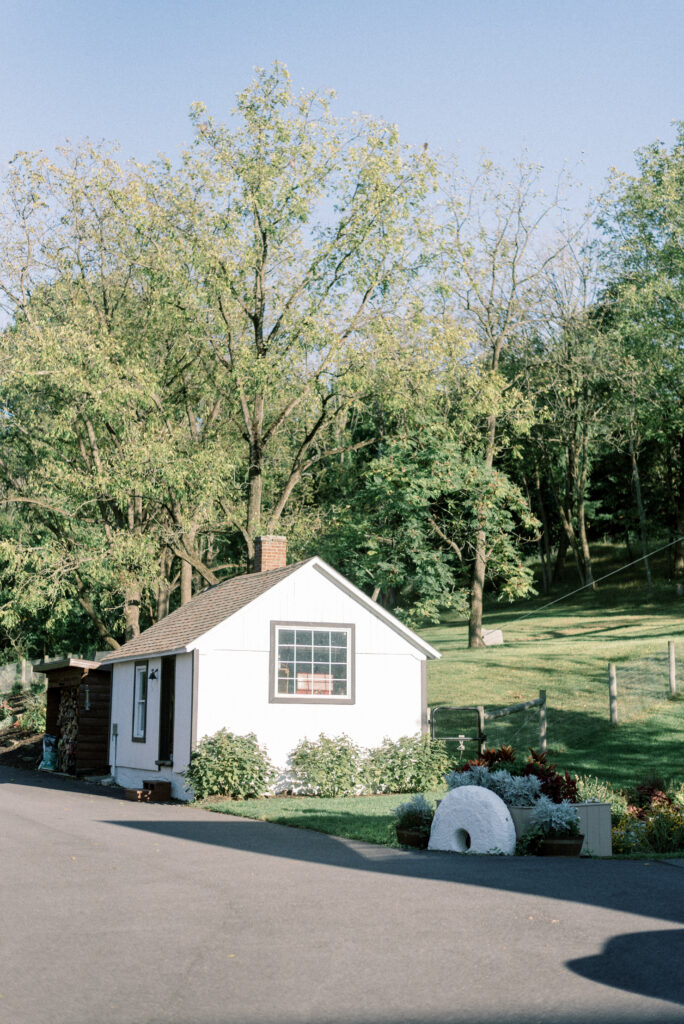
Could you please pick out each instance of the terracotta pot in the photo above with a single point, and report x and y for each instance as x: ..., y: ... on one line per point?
x: 561, y: 846
x: 416, y: 837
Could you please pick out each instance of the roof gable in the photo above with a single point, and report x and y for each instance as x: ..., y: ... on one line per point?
x: 181, y: 629
x: 207, y: 609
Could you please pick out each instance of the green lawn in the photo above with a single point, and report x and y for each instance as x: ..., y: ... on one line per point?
x: 361, y: 817
x: 564, y: 650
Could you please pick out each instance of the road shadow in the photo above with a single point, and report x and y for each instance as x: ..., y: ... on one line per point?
x: 651, y: 889
x: 645, y: 888
x: 647, y: 963
x: 51, y: 780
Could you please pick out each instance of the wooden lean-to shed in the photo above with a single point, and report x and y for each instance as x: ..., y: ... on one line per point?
x: 79, y: 700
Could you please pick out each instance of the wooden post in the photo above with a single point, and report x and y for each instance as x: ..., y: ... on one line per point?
x: 612, y: 671
x: 673, y: 668
x: 481, y: 738
x: 542, y: 721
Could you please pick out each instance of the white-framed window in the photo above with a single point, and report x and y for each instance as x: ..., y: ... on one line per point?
x: 313, y: 662
x: 140, y: 701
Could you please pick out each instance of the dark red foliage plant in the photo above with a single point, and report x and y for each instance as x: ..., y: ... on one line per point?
x: 491, y: 758
x: 554, y: 785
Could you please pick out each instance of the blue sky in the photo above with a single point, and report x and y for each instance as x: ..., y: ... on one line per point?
x: 569, y: 79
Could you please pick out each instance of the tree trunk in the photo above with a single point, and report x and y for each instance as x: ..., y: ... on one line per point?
x: 561, y: 552
x: 187, y: 568
x: 132, y: 612
x: 678, y: 570
x: 477, y: 591
x: 165, y: 588
x: 480, y: 564
x: 584, y: 546
x: 640, y: 509
x: 544, y: 547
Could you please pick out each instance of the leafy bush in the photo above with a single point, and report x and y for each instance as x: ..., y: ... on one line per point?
x: 492, y: 757
x: 32, y: 718
x: 515, y: 790
x: 329, y: 766
x: 593, y: 790
x: 555, y: 818
x: 228, y: 765
x: 410, y: 764
x: 554, y: 785
x: 416, y: 813
x: 5, y: 710
x: 653, y: 822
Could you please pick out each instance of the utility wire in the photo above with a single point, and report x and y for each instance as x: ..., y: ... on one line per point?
x: 628, y: 565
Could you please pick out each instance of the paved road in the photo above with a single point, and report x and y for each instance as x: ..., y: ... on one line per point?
x: 140, y: 914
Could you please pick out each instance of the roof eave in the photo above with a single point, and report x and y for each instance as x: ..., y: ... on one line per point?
x: 148, y: 655
x: 416, y: 641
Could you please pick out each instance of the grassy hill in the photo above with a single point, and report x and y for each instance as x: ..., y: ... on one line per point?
x: 566, y: 649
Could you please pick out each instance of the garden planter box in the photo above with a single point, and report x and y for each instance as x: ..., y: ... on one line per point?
x: 558, y: 846
x: 418, y: 838
x: 594, y: 824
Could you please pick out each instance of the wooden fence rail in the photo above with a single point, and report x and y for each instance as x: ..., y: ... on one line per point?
x: 483, y: 716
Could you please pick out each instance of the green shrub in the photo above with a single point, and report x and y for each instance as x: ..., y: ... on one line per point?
x: 411, y: 764
x: 657, y: 829
x: 589, y: 788
x: 228, y: 765
x: 416, y: 813
x: 33, y: 716
x: 329, y: 766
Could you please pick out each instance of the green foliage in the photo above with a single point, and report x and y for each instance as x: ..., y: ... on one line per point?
x: 529, y: 843
x: 33, y: 716
x: 555, y: 819
x: 329, y: 766
x: 411, y: 764
x: 416, y: 813
x: 229, y: 765
x: 659, y: 830
x: 590, y: 788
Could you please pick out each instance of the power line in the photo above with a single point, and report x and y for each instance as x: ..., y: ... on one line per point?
x: 628, y: 565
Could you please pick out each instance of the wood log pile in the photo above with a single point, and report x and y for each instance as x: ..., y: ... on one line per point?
x: 67, y: 723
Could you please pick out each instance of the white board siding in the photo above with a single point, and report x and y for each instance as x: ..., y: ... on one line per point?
x: 306, y: 596
x: 233, y: 692
x: 234, y: 666
x: 136, y: 761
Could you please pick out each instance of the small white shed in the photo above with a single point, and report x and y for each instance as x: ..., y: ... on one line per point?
x: 286, y: 652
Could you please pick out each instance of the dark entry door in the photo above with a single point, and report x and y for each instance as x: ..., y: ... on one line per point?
x: 168, y: 690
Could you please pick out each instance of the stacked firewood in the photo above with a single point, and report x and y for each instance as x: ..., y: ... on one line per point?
x: 67, y: 723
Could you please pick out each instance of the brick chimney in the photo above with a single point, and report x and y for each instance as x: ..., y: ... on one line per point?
x: 270, y: 553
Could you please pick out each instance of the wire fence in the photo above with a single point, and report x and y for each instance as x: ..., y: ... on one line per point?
x: 638, y: 688
x: 469, y: 730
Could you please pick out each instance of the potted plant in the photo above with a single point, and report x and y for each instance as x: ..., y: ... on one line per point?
x: 413, y: 821
x: 555, y: 829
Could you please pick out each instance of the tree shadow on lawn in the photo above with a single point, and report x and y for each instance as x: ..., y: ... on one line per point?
x: 623, y: 754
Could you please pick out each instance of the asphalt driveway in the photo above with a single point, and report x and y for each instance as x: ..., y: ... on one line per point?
x: 112, y: 911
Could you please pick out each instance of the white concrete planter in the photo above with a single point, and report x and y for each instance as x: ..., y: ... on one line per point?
x: 594, y: 824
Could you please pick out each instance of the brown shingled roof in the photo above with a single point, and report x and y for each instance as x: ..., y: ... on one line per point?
x: 206, y: 610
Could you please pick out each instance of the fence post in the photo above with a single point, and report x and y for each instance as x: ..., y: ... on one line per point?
x: 481, y: 730
x: 612, y: 672
x: 673, y: 667
x: 542, y: 721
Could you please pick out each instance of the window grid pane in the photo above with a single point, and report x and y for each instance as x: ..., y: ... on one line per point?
x: 316, y: 666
